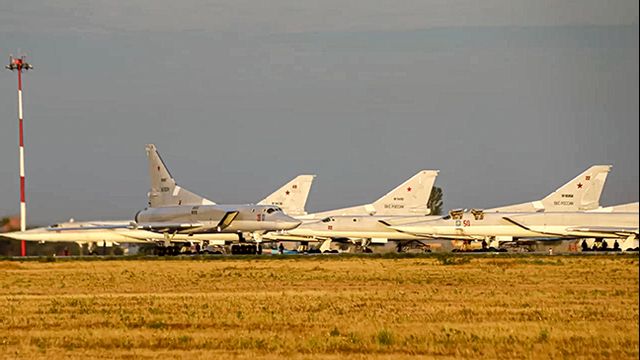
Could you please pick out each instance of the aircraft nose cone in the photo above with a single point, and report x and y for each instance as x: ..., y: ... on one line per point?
x: 293, y: 224
x: 13, y: 235
x: 288, y: 223
x: 22, y: 235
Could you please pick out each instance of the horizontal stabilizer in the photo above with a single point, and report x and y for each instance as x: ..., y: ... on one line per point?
x: 621, y: 230
x: 92, y: 227
x: 623, y: 208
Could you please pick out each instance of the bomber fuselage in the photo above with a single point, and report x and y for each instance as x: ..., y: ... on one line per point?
x: 249, y: 218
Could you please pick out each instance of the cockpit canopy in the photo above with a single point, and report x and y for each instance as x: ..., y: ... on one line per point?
x: 271, y: 210
x: 455, y: 214
x: 478, y: 214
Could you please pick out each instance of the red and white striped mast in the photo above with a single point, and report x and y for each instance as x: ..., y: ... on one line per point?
x: 21, y: 65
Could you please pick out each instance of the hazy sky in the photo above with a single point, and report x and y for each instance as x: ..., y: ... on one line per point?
x: 509, y: 99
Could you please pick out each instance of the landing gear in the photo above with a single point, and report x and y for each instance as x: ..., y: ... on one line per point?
x: 91, y: 248
x: 616, y: 246
x: 467, y: 246
x: 584, y: 246
x: 167, y: 250
x: 160, y: 251
x: 600, y: 244
x: 244, y: 249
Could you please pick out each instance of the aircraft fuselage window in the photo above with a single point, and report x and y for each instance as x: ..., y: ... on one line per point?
x: 456, y: 214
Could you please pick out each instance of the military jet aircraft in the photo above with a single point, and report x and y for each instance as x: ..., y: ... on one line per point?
x: 480, y: 225
x: 408, y: 198
x: 359, y: 224
x: 164, y: 192
x: 100, y: 233
x: 582, y: 192
x: 171, y: 210
x: 167, y: 195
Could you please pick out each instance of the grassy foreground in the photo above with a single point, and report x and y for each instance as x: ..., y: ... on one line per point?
x: 329, y: 307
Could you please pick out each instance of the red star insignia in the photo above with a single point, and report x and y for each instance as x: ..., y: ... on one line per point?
x: 579, y: 185
x: 409, y: 188
x: 287, y: 192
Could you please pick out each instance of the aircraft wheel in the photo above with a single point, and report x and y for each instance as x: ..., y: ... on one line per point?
x: 584, y: 246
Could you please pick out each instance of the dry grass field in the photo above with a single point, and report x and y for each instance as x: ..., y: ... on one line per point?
x: 330, y: 307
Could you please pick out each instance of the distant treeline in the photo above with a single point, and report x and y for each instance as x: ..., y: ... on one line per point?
x: 11, y: 247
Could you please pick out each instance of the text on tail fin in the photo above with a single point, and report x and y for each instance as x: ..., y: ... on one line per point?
x: 410, y: 197
x: 581, y: 193
x: 292, y: 197
x: 164, y: 191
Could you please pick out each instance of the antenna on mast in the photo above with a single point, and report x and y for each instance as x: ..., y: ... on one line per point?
x: 19, y: 64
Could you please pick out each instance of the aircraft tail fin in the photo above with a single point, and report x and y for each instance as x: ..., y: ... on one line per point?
x: 164, y: 190
x: 410, y: 197
x: 622, y: 208
x: 581, y: 193
x: 292, y: 197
